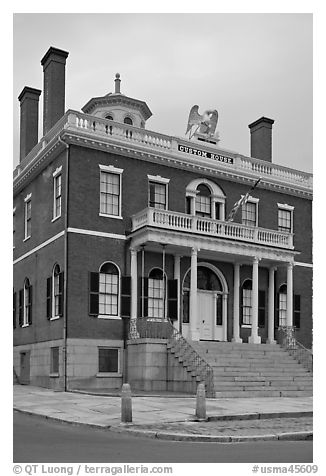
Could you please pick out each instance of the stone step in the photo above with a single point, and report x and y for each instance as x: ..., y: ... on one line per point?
x: 245, y: 388
x: 256, y: 378
x: 263, y: 393
x: 229, y: 355
x: 227, y: 372
x: 251, y: 363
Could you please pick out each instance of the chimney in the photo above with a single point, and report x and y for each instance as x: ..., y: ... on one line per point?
x: 28, y: 98
x: 261, y: 139
x: 54, y: 65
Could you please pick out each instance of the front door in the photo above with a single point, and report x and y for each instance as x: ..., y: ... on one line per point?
x: 206, y: 312
x: 24, y: 368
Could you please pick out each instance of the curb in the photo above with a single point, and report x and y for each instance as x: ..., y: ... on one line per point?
x: 164, y: 435
x: 260, y: 416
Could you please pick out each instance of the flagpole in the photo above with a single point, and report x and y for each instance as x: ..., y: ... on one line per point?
x: 241, y: 201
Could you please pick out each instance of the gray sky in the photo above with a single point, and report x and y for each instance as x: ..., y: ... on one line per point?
x: 243, y: 65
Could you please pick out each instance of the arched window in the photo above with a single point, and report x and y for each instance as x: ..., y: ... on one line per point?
x: 109, y: 290
x: 205, y: 198
x: 156, y: 294
x: 27, y: 303
x: 247, y: 302
x: 128, y: 120
x: 109, y: 117
x: 203, y: 201
x: 282, y: 305
x: 56, y: 291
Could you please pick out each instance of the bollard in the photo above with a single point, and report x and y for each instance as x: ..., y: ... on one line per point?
x: 126, y: 404
x: 201, y: 402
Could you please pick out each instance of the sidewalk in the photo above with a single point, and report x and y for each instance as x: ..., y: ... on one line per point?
x: 168, y: 417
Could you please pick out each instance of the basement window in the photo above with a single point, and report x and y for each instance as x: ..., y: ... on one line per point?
x: 108, y: 360
x: 54, y: 362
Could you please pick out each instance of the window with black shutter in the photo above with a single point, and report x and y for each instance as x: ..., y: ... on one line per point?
x: 93, y: 294
x: 21, y: 308
x: 49, y: 297
x: 261, y: 308
x: 125, y: 296
x: 143, y: 294
x: 185, y: 306
x: 297, y: 310
x: 14, y: 310
x: 173, y: 299
x: 29, y: 305
x: 61, y: 294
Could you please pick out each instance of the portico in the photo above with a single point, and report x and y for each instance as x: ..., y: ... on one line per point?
x: 219, y: 312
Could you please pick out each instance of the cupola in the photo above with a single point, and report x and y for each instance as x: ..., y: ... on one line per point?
x: 118, y: 107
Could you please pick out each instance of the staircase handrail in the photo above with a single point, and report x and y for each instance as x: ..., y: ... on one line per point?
x: 288, y: 342
x: 164, y: 329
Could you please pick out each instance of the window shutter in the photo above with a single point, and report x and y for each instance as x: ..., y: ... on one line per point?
x: 297, y: 310
x: 14, y: 310
x: 143, y: 299
x: 173, y: 299
x: 277, y: 313
x: 219, y: 316
x: 188, y: 205
x: 241, y: 306
x: 94, y: 279
x: 20, y: 310
x: 49, y: 297
x: 125, y: 296
x: 261, y: 308
x: 61, y: 293
x: 185, y: 306
x: 30, y: 298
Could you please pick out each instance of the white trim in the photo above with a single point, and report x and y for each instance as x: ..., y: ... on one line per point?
x: 285, y: 206
x: 28, y: 197
x: 14, y: 210
x: 57, y: 171
x: 108, y: 316
x: 55, y: 318
x: 110, y: 168
x: 56, y: 175
x: 118, y: 315
x: 55, y: 219
x: 42, y: 245
x: 118, y: 217
x: 158, y: 178
x: 251, y: 199
x: 304, y: 265
x: 96, y: 233
x: 166, y: 191
x: 120, y: 363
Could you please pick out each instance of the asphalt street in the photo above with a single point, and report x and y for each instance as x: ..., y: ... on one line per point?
x: 39, y: 440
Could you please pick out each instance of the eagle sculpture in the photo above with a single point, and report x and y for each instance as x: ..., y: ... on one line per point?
x: 204, y: 124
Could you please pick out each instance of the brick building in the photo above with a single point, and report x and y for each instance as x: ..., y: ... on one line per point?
x: 118, y: 228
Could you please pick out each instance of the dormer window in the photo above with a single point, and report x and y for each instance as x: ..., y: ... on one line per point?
x: 109, y: 117
x: 128, y: 120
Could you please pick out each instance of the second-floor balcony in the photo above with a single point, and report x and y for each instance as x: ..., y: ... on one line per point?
x: 182, y: 222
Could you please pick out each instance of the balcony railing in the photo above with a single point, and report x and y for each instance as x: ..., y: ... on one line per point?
x: 204, y: 226
x: 155, y: 142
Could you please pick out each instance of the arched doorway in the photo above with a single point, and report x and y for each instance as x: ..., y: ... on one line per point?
x: 212, y: 292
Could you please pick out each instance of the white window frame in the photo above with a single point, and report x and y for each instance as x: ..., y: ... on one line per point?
x: 217, y: 196
x: 250, y: 200
x: 109, y: 374
x: 53, y: 315
x: 246, y: 325
x: 288, y: 208
x: 112, y: 170
x: 160, y: 181
x: 56, y: 174
x: 164, y: 299
x: 25, y: 302
x: 52, y: 372
x: 27, y: 200
x: 111, y: 316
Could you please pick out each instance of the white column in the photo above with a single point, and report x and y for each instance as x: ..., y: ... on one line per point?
x: 177, y: 277
x: 289, y: 297
x: 133, y: 273
x: 236, y: 296
x: 254, y: 338
x: 270, y: 337
x: 134, y: 278
x: 193, y: 296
